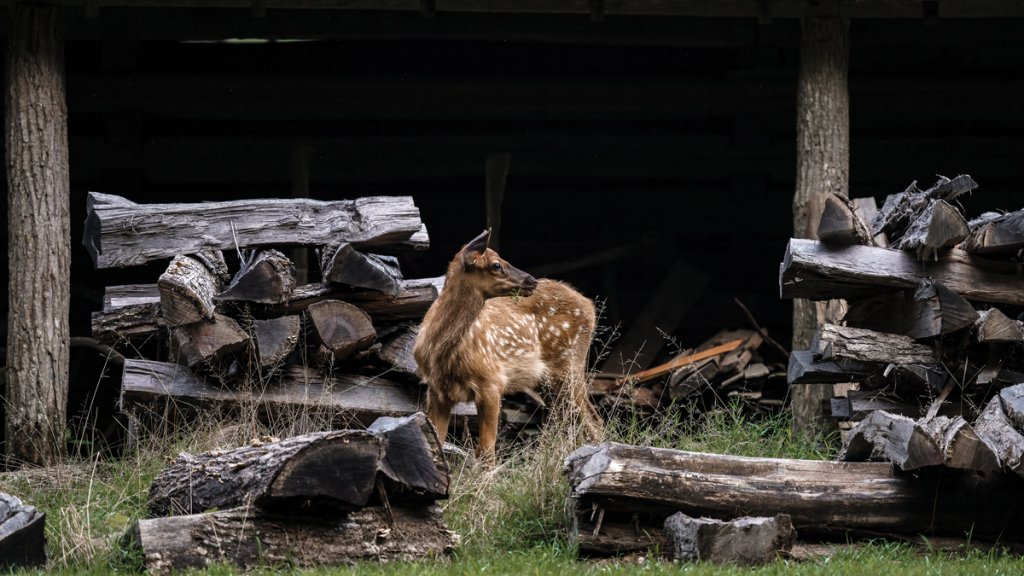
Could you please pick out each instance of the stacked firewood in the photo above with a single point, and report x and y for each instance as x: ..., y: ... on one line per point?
x: 253, y: 335
x: 932, y: 301
x: 726, y: 367
x: 326, y: 498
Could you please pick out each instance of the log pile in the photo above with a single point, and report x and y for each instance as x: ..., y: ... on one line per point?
x: 238, y: 330
x: 932, y: 323
x: 22, y: 538
x: 326, y: 498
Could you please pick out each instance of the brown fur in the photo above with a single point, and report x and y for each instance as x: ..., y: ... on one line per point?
x: 478, y: 343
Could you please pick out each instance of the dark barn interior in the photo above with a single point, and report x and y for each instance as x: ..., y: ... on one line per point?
x: 653, y: 138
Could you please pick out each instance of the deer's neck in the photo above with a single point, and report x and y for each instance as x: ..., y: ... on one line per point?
x: 453, y: 314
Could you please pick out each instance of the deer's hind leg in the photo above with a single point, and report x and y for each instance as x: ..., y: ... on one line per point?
x: 439, y: 411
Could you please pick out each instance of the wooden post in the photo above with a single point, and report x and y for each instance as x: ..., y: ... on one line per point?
x: 39, y: 245
x: 497, y: 173
x: 822, y: 161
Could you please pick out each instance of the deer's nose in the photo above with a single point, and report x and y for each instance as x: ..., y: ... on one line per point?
x: 530, y: 282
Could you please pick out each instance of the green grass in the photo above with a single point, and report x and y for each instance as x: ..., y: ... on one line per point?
x: 511, y: 517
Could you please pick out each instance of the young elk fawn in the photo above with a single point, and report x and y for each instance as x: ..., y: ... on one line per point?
x: 495, y: 330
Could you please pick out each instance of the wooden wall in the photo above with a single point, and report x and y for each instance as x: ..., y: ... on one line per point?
x: 678, y: 129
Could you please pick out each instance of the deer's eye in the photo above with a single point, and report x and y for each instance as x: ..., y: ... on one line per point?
x: 496, y: 266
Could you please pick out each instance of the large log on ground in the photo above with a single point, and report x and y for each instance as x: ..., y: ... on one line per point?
x: 620, y: 496
x: 817, y: 271
x: 249, y: 538
x: 325, y: 472
x: 265, y: 277
x: 126, y: 234
x: 22, y: 541
x: 187, y: 289
x: 343, y: 264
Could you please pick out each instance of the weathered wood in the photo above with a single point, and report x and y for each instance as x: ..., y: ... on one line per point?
x: 804, y: 369
x: 960, y: 445
x: 326, y: 472
x: 994, y: 233
x: 680, y: 362
x: 127, y: 322
x: 249, y: 538
x: 840, y: 223
x: 937, y: 227
x: 202, y: 343
x: 900, y: 211
x: 620, y: 496
x: 996, y: 430
x: 1012, y: 401
x: 342, y: 264
x: 341, y: 327
x: 892, y: 438
x: 928, y: 311
x: 396, y: 351
x: 187, y: 289
x: 131, y: 234
x: 411, y: 303
x: 265, y: 277
x: 22, y: 539
x: 814, y: 270
x: 130, y: 295
x: 867, y: 209
x: 147, y: 386
x: 993, y: 326
x: 862, y: 345
x: 276, y: 339
x: 746, y: 541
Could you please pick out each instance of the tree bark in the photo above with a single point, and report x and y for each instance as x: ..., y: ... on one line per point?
x: 823, y: 159
x: 39, y: 244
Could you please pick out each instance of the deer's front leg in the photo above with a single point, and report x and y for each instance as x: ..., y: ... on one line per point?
x: 488, y: 407
x: 439, y: 410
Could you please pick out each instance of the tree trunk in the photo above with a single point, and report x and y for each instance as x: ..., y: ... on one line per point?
x: 823, y: 159
x: 39, y: 245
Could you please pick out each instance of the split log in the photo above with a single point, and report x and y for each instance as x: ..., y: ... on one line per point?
x: 130, y: 295
x: 342, y: 328
x: 343, y: 264
x: 324, y: 472
x: 867, y: 209
x: 250, y: 539
x: 128, y: 234
x: 411, y: 303
x: 995, y: 233
x: 892, y: 438
x: 901, y: 210
x: 127, y: 322
x: 276, y: 339
x: 1012, y: 400
x: 821, y: 272
x: 396, y: 351
x: 265, y: 277
x: 620, y: 496
x: 840, y: 223
x: 996, y: 430
x: 960, y: 445
x: 746, y: 541
x: 937, y: 227
x: 928, y: 311
x: 993, y: 326
x: 858, y: 405
x: 22, y: 539
x: 187, y: 289
x: 203, y: 343
x: 804, y: 369
x: 862, y: 345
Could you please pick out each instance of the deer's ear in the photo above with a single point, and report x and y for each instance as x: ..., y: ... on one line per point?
x: 475, y: 248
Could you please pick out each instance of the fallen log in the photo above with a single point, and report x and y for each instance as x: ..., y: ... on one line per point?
x: 746, y: 541
x: 343, y: 264
x: 265, y: 277
x: 814, y: 270
x: 22, y: 539
x: 121, y: 233
x: 620, y: 496
x: 886, y: 437
x: 324, y: 472
x: 249, y: 538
